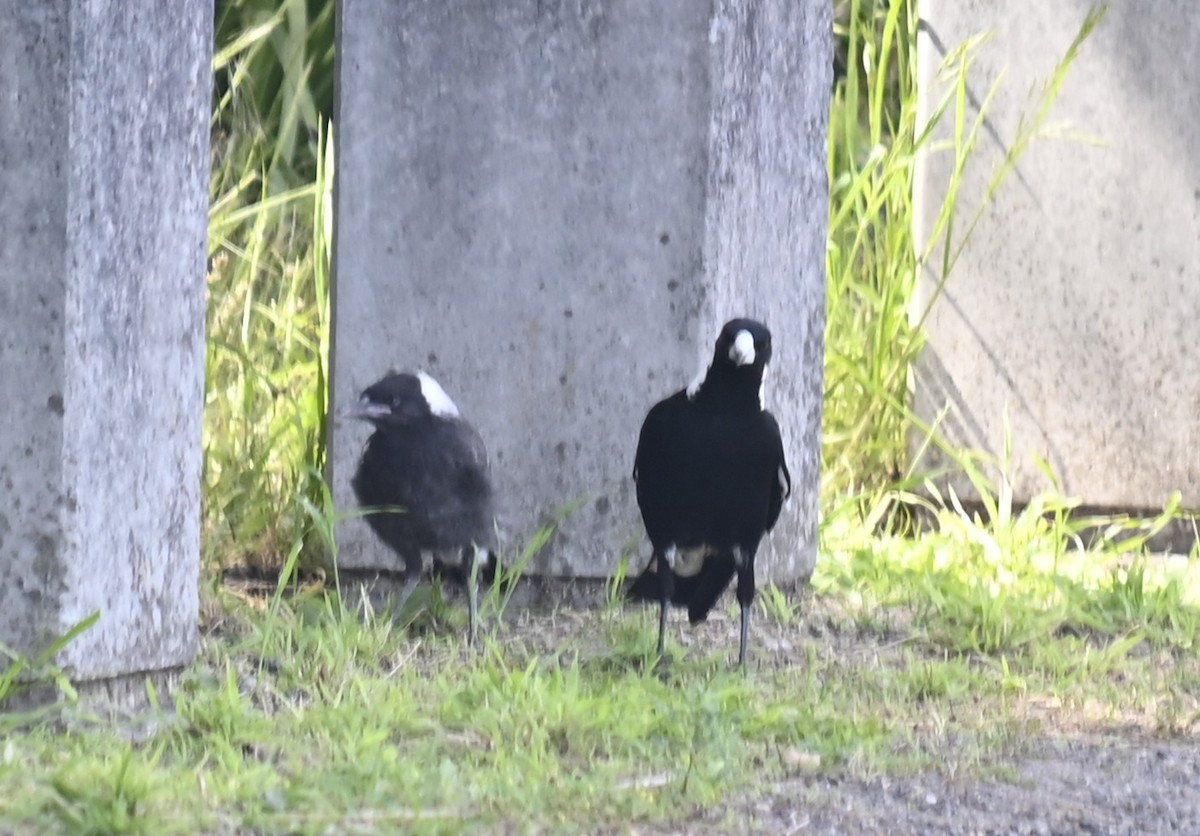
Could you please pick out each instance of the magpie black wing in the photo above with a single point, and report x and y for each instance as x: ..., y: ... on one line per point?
x: 781, y: 487
x: 654, y: 467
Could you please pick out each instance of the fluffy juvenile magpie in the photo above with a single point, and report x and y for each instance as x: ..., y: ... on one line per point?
x: 711, y: 480
x: 426, y: 469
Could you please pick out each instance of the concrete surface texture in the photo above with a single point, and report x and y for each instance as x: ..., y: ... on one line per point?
x: 103, y: 226
x: 1068, y: 321
x: 552, y: 207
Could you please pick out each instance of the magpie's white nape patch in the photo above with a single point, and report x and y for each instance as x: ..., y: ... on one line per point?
x: 439, y: 402
x: 742, y: 350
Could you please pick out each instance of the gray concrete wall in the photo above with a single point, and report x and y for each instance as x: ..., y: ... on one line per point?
x: 1070, y: 318
x: 552, y: 207
x: 104, y: 171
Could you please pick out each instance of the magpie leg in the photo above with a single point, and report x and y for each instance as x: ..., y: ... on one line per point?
x: 412, y: 576
x: 745, y: 596
x: 406, y: 591
x: 471, y: 561
x: 666, y: 588
x: 413, y: 567
x: 745, y: 633
x: 662, y: 630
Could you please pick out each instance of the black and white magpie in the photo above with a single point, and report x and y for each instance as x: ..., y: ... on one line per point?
x: 711, y: 480
x: 426, y: 470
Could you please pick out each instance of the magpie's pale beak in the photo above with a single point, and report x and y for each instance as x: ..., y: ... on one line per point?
x: 365, y: 410
x: 742, y: 350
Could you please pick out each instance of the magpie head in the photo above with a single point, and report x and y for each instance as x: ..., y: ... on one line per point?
x: 742, y: 352
x: 401, y: 398
x: 743, y: 343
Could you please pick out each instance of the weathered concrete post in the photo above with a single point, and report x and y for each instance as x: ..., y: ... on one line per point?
x: 104, y: 165
x: 552, y: 206
x: 1069, y: 319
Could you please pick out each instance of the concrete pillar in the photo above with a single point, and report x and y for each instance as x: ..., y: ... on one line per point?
x: 552, y: 206
x: 104, y: 114
x: 1069, y: 321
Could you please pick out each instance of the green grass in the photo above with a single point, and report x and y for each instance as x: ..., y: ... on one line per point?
x: 316, y: 719
x: 955, y: 651
x: 267, y: 356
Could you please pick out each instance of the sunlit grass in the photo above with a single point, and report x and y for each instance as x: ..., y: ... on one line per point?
x: 267, y: 360
x: 314, y: 718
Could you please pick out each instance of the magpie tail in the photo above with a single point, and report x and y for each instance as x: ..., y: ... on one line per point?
x: 645, y: 586
x: 698, y: 592
x: 711, y: 583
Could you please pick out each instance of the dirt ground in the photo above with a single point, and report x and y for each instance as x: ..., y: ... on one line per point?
x: 1069, y: 778
x: 1066, y: 787
x: 1066, y: 781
